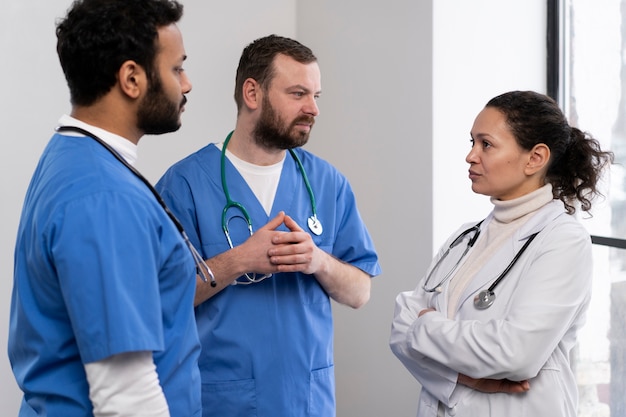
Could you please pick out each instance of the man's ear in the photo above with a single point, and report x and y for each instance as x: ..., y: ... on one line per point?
x: 538, y: 159
x: 132, y: 79
x: 252, y: 93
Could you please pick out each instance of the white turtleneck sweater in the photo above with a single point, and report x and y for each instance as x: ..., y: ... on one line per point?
x: 508, y: 216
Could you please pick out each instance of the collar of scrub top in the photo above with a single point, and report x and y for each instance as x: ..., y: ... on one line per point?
x: 313, y: 222
x: 202, y: 268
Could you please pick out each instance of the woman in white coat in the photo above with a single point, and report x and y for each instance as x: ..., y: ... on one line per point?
x: 490, y: 328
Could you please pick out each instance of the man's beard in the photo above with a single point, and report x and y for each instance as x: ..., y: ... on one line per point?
x: 157, y: 114
x: 271, y: 132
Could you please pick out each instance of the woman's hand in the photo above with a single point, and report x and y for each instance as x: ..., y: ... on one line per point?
x: 494, y: 385
x: 424, y: 311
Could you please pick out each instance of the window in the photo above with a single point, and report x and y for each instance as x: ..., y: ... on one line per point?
x: 587, y: 76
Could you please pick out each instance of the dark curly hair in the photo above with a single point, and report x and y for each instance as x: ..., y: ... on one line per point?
x: 576, y: 160
x: 97, y: 36
x: 257, y: 59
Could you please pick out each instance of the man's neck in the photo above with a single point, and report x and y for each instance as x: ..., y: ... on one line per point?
x: 103, y: 117
x: 243, y: 145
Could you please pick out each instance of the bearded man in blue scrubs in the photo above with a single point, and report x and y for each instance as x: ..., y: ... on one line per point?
x: 102, y: 321
x: 266, y: 328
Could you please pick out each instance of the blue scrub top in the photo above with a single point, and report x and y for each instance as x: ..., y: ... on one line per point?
x: 99, y: 270
x: 268, y: 347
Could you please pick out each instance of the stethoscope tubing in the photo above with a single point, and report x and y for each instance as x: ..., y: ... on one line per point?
x: 512, y: 263
x: 201, y: 264
x: 486, y: 297
x: 455, y: 242
x: 230, y: 203
x: 252, y: 278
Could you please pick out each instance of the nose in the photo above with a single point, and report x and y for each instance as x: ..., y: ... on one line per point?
x: 310, y: 107
x: 471, y: 157
x: 185, y: 83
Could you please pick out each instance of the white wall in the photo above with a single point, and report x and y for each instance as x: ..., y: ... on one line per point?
x: 33, y: 94
x: 402, y: 81
x: 482, y: 48
x: 376, y: 126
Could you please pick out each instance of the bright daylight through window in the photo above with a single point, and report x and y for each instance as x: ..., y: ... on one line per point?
x: 587, y: 74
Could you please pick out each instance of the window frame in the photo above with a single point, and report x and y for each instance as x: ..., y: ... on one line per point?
x: 557, y: 63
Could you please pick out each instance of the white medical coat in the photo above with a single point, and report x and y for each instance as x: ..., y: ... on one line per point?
x: 528, y: 333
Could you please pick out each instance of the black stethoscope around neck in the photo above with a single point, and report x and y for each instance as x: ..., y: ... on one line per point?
x: 485, y: 298
x: 206, y: 274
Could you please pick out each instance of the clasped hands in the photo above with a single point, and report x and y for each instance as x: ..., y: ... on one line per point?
x: 270, y: 250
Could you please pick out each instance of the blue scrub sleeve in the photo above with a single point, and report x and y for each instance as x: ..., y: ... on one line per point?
x: 353, y: 243
x: 105, y: 249
x: 178, y: 196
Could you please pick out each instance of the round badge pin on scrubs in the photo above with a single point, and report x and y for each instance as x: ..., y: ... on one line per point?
x: 484, y: 299
x: 315, y: 226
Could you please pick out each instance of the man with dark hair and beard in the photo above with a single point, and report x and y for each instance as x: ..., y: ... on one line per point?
x: 280, y: 229
x: 101, y: 314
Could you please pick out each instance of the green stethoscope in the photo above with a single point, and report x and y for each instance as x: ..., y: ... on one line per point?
x: 315, y: 226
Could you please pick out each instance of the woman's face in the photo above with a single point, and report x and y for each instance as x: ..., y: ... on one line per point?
x: 497, y: 163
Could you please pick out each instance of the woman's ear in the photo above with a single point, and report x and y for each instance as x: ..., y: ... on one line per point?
x: 539, y: 157
x: 132, y: 79
x: 252, y: 93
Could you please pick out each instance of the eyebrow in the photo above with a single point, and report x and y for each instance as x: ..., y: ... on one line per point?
x: 301, y: 87
x: 482, y: 138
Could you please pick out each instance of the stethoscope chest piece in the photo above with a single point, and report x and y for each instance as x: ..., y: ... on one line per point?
x: 484, y: 299
x: 315, y: 226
